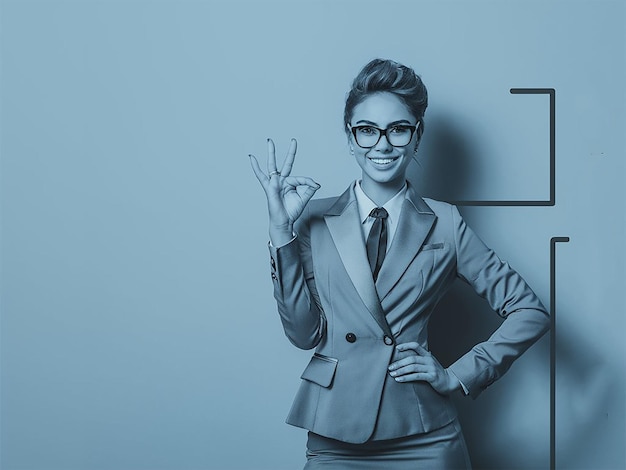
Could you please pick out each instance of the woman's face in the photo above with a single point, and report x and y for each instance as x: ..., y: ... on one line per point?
x: 383, y: 164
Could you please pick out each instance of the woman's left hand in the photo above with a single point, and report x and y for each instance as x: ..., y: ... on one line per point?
x: 422, y: 366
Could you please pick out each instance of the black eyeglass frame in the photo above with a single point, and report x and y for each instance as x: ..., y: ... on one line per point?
x: 382, y: 132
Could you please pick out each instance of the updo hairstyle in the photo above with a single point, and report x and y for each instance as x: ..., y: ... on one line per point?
x: 382, y: 75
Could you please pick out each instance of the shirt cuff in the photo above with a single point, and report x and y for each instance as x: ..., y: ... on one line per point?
x: 280, y: 246
x: 465, y: 390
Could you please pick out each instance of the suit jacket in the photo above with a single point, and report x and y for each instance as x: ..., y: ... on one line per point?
x: 327, y: 299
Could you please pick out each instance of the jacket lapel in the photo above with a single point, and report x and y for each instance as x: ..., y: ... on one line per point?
x: 343, y: 223
x: 416, y: 221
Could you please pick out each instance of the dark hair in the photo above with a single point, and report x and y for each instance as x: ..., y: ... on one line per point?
x: 386, y: 75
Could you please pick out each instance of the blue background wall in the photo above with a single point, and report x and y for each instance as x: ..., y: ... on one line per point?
x: 138, y: 329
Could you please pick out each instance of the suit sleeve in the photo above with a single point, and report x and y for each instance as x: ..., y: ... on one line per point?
x: 526, y: 319
x: 296, y: 296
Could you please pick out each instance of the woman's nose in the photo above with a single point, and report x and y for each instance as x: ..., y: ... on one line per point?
x: 383, y: 144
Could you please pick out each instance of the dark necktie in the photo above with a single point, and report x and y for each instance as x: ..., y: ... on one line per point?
x: 377, y: 240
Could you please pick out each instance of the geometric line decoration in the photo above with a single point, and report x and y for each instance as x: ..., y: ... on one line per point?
x: 553, y: 242
x: 551, y: 200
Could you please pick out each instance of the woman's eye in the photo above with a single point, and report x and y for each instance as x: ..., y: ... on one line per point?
x: 367, y: 130
x: 399, y: 129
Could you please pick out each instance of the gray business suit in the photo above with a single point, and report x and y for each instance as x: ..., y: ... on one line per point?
x: 327, y: 299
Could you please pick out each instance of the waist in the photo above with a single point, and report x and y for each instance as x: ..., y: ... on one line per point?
x: 448, y: 432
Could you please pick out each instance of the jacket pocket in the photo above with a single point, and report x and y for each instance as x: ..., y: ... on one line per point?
x: 321, y: 370
x: 433, y: 246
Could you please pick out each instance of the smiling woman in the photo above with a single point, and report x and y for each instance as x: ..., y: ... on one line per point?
x: 385, y: 144
x: 357, y: 277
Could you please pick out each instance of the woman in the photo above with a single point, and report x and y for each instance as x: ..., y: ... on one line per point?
x: 357, y: 277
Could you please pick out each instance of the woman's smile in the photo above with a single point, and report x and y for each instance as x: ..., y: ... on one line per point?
x: 383, y: 162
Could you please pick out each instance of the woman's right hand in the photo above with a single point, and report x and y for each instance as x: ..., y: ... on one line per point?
x: 286, y: 195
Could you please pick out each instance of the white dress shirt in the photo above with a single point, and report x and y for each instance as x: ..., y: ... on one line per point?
x: 393, y: 207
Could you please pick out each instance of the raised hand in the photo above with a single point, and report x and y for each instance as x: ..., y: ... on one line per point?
x: 286, y: 195
x: 423, y: 366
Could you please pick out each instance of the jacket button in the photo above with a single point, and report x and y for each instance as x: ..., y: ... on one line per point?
x: 388, y: 340
x: 350, y: 337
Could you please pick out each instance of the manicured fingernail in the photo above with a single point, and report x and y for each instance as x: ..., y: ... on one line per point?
x: 393, y: 374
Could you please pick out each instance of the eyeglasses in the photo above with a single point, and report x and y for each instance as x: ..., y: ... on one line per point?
x: 368, y: 136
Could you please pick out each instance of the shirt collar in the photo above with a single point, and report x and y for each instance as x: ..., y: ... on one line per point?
x: 393, y: 206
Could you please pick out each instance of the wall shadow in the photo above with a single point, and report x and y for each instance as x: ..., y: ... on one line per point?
x: 446, y: 161
x: 504, y: 428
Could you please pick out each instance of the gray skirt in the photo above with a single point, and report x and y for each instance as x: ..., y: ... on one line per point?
x: 441, y: 449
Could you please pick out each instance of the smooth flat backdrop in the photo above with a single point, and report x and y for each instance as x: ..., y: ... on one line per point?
x: 138, y: 328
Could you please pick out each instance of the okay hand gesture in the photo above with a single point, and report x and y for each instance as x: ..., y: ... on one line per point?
x: 286, y: 195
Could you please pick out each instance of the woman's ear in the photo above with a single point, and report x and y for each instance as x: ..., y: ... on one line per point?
x: 415, y: 152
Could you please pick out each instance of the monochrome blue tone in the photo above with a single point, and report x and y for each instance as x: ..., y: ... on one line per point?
x: 138, y: 328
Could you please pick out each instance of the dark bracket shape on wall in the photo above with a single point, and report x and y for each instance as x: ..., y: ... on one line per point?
x: 553, y: 242
x: 552, y: 200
